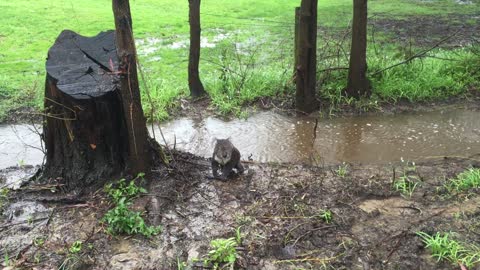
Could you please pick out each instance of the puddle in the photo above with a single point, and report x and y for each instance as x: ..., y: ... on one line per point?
x: 463, y: 2
x: 25, y: 211
x: 19, y: 144
x: 14, y: 177
x: 270, y: 137
x: 150, y: 45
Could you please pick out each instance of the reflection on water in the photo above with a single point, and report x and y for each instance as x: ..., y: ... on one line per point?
x: 382, y: 138
x: 19, y: 144
x: 269, y: 137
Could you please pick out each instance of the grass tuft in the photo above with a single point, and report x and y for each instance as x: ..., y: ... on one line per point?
x: 465, y: 181
x: 443, y: 247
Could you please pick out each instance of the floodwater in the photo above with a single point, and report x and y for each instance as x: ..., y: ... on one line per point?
x: 19, y: 145
x: 270, y: 137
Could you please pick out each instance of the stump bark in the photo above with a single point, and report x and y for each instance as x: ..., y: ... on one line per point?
x: 84, y: 130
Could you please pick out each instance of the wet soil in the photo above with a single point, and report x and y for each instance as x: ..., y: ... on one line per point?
x: 283, y: 103
x: 276, y: 207
x: 427, y: 31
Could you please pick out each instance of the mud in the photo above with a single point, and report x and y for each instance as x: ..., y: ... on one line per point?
x: 276, y: 206
x: 425, y: 31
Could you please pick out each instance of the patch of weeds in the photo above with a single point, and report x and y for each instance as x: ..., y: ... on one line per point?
x: 409, y: 166
x: 406, y: 185
x: 443, y: 247
x: 238, y: 235
x: 74, y: 256
x: 124, y: 190
x: 242, y: 220
x: 39, y: 241
x: 6, y: 259
x: 326, y: 215
x: 3, y: 198
x: 76, y: 247
x: 120, y: 219
x: 465, y: 181
x: 342, y: 170
x: 181, y: 265
x: 223, y: 252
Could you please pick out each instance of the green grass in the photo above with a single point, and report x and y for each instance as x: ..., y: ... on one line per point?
x: 465, y: 181
x: 443, y: 247
x: 262, y: 31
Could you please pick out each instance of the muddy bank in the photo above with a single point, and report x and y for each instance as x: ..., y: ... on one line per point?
x: 277, y: 209
x: 426, y: 31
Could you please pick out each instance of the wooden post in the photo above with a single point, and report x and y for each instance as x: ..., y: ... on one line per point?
x: 306, y: 57
x: 138, y: 147
x: 296, y: 45
x: 358, y: 83
x: 194, y: 83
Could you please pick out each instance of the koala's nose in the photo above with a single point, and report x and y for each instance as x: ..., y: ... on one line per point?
x: 225, y: 155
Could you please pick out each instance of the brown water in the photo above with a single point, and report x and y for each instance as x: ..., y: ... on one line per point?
x: 270, y: 137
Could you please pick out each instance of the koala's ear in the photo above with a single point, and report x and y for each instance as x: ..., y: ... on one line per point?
x: 229, y: 138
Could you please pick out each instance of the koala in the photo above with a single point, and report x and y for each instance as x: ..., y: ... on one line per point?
x: 226, y: 157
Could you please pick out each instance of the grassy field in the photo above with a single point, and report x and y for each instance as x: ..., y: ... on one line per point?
x: 246, y: 50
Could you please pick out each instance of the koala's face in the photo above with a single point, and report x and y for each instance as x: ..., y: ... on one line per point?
x: 223, y: 151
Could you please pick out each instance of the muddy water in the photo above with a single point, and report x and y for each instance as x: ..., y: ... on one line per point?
x: 270, y: 137
x: 19, y: 144
x: 383, y: 138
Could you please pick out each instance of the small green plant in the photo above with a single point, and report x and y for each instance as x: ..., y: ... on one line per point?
x: 124, y: 190
x: 342, y: 170
x: 238, y: 235
x: 76, y: 247
x: 6, y: 259
x: 38, y: 241
x: 464, y: 181
x: 3, y: 198
x: 406, y: 185
x: 326, y: 215
x: 223, y: 252
x: 120, y: 218
x: 443, y: 247
x: 181, y: 265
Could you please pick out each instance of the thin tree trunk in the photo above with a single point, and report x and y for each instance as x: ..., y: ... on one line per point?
x: 306, y: 57
x: 194, y: 83
x: 138, y: 147
x: 358, y: 83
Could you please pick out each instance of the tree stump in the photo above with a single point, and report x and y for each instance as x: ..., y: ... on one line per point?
x: 84, y: 130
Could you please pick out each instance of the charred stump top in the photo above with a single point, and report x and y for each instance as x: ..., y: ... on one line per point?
x: 84, y: 67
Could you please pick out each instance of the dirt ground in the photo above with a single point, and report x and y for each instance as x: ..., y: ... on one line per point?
x: 276, y: 207
x: 426, y: 31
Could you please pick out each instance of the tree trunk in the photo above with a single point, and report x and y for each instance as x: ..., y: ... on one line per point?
x: 306, y: 57
x: 358, y: 83
x: 194, y: 83
x: 84, y: 132
x: 138, y: 147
